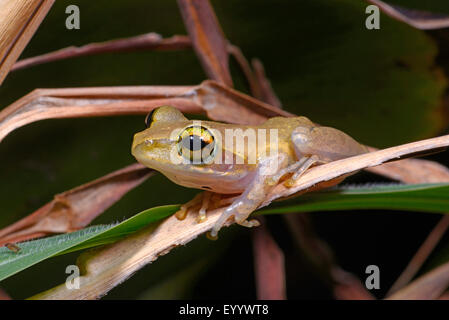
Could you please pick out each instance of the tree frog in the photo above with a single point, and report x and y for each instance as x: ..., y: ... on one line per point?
x: 235, y: 163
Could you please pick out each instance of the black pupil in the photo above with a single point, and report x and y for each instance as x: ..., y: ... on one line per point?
x: 193, y: 142
x: 149, y: 118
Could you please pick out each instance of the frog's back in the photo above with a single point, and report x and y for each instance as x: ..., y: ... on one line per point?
x: 286, y: 126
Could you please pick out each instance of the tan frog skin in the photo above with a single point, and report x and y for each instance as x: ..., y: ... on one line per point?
x: 171, y: 145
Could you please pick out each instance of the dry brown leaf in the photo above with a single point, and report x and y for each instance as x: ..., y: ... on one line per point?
x: 348, y: 287
x: 19, y: 19
x: 207, y: 38
x: 224, y: 104
x: 269, y: 265
x: 218, y: 101
x: 76, y: 208
x: 430, y: 286
x: 267, y: 92
x: 4, y: 295
x: 254, y: 85
x: 416, y: 18
x: 148, y: 41
x: 43, y: 104
x: 421, y: 255
x: 413, y: 171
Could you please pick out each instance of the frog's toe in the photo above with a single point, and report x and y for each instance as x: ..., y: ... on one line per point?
x: 289, y: 183
x: 305, y: 164
x: 272, y: 181
x: 201, y: 215
x: 205, y: 204
x: 210, y: 236
x: 249, y: 223
x: 242, y: 219
x: 220, y: 222
x: 181, y: 213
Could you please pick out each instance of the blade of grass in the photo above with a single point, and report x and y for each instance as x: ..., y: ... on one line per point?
x: 418, y: 197
x: 32, y: 252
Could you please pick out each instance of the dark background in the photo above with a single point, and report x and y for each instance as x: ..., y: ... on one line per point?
x: 384, y: 87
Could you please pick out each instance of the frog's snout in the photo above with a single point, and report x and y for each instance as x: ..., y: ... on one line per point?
x: 138, y: 141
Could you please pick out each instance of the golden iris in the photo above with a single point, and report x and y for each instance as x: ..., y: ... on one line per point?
x: 196, y: 144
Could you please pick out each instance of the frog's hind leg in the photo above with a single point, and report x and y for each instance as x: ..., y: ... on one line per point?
x: 315, y: 144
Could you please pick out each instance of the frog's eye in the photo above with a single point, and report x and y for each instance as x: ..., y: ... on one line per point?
x: 149, y: 118
x: 196, y: 144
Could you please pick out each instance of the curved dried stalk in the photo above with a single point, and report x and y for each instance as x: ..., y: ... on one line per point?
x: 420, y: 256
x: 19, y: 19
x: 207, y: 38
x: 423, y: 20
x: 430, y: 286
x: 148, y: 41
x: 219, y: 102
x: 76, y: 208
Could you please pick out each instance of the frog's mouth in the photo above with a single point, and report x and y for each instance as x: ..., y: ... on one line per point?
x: 178, y: 165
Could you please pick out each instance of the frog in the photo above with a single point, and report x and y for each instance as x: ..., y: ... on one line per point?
x: 236, y: 165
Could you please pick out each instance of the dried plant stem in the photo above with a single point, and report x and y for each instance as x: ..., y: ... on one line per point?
x: 423, y: 20
x: 421, y: 255
x: 148, y: 41
x: 268, y: 265
x: 19, y: 19
x: 430, y: 286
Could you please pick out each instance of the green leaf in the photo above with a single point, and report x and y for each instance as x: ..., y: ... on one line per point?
x: 32, y: 252
x: 416, y: 197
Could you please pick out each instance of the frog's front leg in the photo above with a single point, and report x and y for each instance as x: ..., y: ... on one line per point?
x: 203, y: 202
x: 253, y: 196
